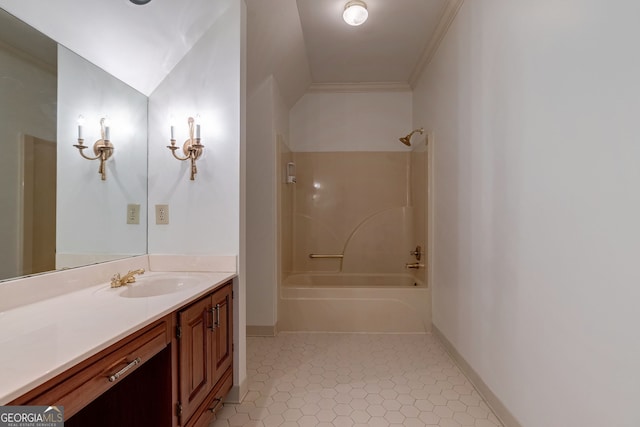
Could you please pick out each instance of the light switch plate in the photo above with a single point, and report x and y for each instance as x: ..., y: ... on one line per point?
x: 133, y: 214
x: 162, y: 214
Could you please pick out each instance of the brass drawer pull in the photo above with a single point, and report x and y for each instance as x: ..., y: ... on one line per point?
x: 217, y: 401
x: 122, y: 371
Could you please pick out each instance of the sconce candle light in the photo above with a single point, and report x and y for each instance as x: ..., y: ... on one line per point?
x: 103, y: 149
x: 192, y: 148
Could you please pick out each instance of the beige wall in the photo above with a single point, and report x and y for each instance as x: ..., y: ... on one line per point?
x: 418, y: 200
x: 360, y: 121
x: 534, y: 109
x: 32, y: 110
x: 261, y: 223
x: 266, y: 131
x: 285, y: 213
x: 208, y: 80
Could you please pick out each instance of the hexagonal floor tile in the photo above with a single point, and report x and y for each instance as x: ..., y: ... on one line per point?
x: 334, y: 380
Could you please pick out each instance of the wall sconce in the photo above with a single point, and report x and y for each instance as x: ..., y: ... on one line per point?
x: 103, y: 149
x: 191, y: 148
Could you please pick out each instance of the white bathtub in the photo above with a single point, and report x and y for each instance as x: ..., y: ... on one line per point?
x: 354, y: 303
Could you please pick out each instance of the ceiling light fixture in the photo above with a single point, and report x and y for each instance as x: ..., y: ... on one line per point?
x: 139, y: 2
x: 355, y: 12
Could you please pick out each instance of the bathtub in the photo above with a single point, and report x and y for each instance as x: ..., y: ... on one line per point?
x: 333, y: 302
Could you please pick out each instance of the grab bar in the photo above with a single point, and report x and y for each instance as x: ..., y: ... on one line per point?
x: 326, y: 256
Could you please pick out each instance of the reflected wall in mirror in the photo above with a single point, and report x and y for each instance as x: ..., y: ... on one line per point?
x: 55, y: 211
x: 92, y: 214
x: 27, y: 140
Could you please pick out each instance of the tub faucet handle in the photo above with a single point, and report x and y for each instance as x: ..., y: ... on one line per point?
x: 417, y: 252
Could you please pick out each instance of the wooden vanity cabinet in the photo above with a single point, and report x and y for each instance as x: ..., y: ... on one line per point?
x: 173, y: 372
x: 205, y: 355
x: 103, y: 374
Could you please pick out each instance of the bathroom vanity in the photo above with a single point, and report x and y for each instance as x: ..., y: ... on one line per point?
x: 158, y: 352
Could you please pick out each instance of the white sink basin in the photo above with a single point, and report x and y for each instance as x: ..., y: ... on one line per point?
x: 154, y: 286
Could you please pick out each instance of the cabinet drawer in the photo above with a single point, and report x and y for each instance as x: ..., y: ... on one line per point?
x: 206, y: 412
x: 82, y: 387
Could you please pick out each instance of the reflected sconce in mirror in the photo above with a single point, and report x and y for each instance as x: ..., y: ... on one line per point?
x: 192, y: 148
x: 102, y: 149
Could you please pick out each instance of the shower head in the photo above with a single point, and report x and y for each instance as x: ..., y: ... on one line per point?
x: 406, y: 140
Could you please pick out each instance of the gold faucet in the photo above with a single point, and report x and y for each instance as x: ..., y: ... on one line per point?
x: 117, y: 281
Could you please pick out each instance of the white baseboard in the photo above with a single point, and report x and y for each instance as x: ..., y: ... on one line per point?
x: 496, y: 405
x: 237, y: 392
x: 262, y: 331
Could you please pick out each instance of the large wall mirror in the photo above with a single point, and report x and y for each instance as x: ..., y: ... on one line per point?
x: 56, y: 211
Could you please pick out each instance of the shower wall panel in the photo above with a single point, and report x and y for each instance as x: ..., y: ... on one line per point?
x: 356, y: 204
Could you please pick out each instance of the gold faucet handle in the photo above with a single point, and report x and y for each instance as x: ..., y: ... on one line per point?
x: 115, y: 280
x: 131, y: 275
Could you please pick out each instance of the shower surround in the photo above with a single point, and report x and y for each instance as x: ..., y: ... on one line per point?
x: 356, y: 204
x: 370, y: 208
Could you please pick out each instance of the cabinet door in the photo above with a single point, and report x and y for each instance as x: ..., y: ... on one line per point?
x: 223, y: 333
x: 195, y: 355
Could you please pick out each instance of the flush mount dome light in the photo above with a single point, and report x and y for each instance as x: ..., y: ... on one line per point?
x: 355, y: 12
x: 140, y: 1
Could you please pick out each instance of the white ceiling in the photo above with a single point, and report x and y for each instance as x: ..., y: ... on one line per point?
x: 306, y: 45
x: 302, y: 43
x: 386, y: 48
x: 140, y: 45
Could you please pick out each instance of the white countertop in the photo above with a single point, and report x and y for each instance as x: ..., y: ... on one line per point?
x: 43, y: 339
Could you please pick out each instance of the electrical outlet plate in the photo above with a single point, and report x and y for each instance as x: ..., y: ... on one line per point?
x: 133, y: 214
x: 162, y: 214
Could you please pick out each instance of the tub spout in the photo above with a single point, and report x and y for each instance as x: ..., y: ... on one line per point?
x: 414, y: 265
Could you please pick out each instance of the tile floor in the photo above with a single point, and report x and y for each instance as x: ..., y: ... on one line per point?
x: 322, y: 379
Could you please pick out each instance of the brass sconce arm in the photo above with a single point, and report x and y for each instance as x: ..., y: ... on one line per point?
x: 192, y: 148
x: 102, y: 149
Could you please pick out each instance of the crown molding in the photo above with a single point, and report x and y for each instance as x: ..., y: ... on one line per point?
x: 446, y: 18
x: 359, y: 87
